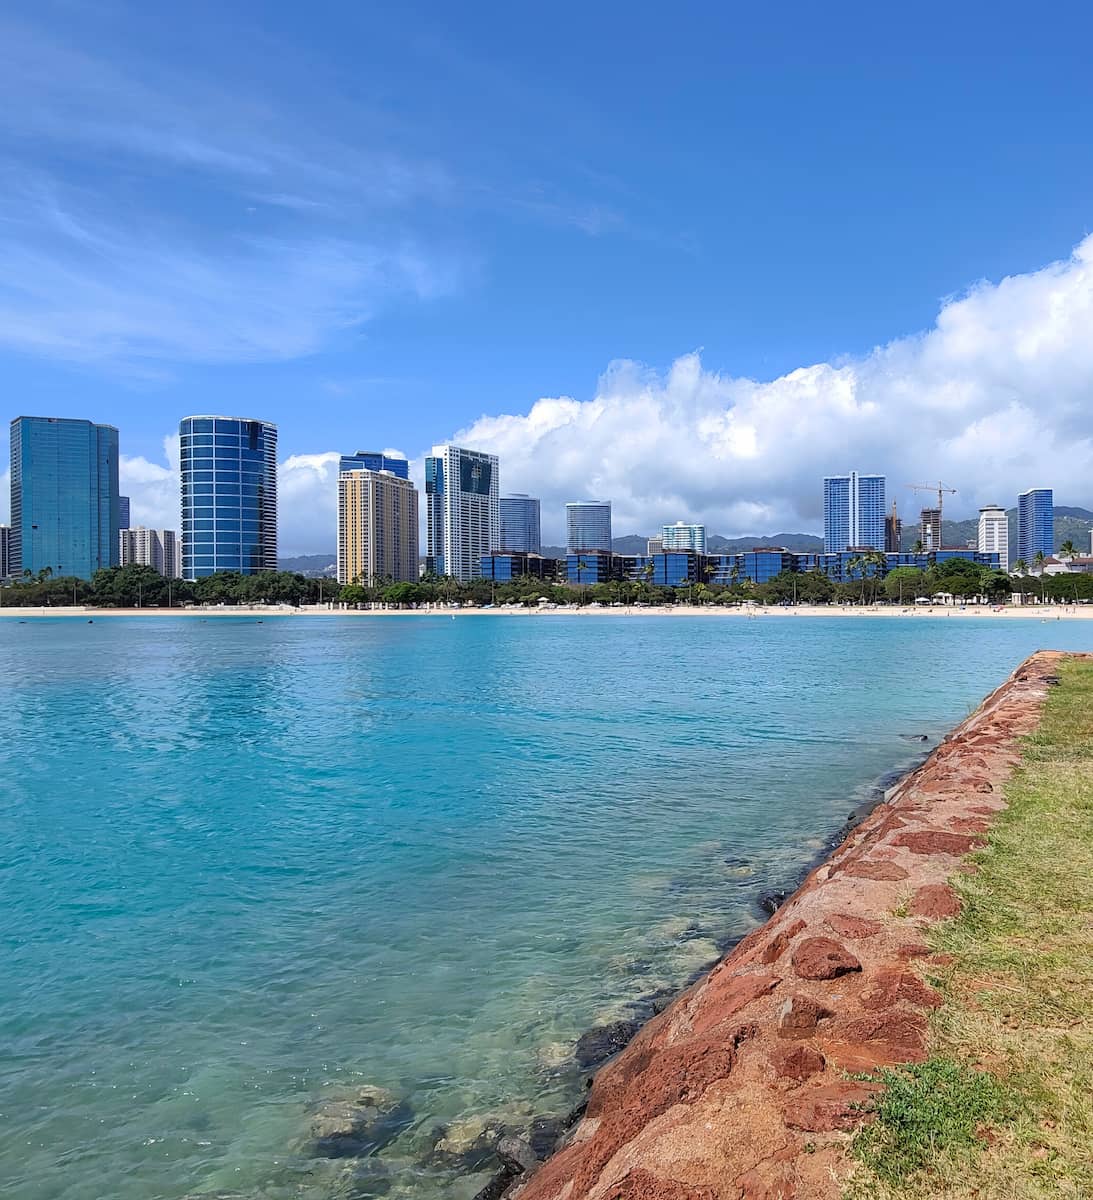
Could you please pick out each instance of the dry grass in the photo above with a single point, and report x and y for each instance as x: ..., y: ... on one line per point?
x: 1019, y: 999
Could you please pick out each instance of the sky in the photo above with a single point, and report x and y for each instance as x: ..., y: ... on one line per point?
x: 688, y: 258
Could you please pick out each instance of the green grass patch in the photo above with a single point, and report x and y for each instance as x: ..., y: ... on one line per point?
x: 938, y: 1107
x: 1004, y: 1107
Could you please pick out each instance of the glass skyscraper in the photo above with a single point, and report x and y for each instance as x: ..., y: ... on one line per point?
x: 853, y: 512
x: 1035, y: 524
x: 229, y: 495
x: 462, y: 511
x: 520, y: 525
x: 373, y: 460
x: 588, y: 526
x: 64, y: 496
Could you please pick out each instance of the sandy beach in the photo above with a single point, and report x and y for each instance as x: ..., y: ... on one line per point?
x: 1030, y: 612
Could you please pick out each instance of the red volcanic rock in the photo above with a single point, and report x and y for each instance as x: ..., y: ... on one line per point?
x: 853, y: 927
x: 970, y: 824
x: 913, y: 950
x: 776, y: 947
x: 984, y: 786
x: 841, y: 1105
x: 799, y: 1015
x: 891, y: 987
x: 725, y: 995
x: 823, y: 958
x: 903, y: 1034
x: 937, y: 901
x: 880, y: 869
x: 937, y: 841
x: 640, y: 1184
x: 795, y: 1062
x: 769, y: 1182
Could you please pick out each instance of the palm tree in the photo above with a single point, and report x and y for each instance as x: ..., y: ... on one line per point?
x: 1020, y: 567
x: 918, y: 547
x: 856, y: 564
x: 876, y: 560
x: 1038, y: 561
x: 1067, y: 550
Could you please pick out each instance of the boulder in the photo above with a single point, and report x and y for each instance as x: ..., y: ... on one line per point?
x: 356, y: 1123
x: 823, y: 958
x: 602, y: 1042
x: 516, y: 1155
x: 799, y: 1015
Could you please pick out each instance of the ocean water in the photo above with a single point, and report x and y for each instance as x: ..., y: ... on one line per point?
x: 245, y: 866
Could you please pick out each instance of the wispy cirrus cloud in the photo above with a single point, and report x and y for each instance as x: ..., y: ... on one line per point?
x: 149, y: 217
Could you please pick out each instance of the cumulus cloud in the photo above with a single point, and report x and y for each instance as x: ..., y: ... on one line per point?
x: 995, y: 398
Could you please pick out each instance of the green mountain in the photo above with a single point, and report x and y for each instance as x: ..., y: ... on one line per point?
x: 314, y: 566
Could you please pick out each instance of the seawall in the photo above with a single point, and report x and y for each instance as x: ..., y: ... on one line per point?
x: 739, y: 1090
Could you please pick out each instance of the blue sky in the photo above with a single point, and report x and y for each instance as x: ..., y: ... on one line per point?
x: 388, y: 225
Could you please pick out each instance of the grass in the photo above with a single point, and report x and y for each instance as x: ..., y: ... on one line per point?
x: 1003, y: 1109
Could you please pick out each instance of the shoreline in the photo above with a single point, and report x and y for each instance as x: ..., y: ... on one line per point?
x: 1040, y: 612
x: 748, y: 1101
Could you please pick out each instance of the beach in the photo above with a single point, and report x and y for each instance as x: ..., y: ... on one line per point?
x: 1042, y: 612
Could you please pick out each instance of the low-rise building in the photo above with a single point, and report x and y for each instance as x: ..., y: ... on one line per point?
x: 506, y: 568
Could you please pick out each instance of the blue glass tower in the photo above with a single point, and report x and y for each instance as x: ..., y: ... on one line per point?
x: 64, y: 496
x: 520, y: 525
x: 588, y: 526
x: 1035, y: 524
x: 853, y: 512
x: 373, y: 460
x: 229, y: 495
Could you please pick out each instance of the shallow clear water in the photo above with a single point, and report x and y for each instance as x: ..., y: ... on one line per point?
x: 244, y: 865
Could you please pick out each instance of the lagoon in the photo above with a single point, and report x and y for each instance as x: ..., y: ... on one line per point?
x: 246, y: 865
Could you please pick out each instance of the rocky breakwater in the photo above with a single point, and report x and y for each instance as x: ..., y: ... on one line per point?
x: 740, y: 1090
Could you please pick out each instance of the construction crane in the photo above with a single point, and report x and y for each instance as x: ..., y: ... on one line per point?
x: 941, y: 491
x: 940, y: 488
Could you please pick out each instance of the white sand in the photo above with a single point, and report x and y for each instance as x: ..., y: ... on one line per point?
x: 1042, y: 612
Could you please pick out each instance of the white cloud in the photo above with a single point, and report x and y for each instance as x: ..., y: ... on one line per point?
x: 997, y: 397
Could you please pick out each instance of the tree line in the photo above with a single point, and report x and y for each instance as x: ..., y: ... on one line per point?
x: 143, y: 587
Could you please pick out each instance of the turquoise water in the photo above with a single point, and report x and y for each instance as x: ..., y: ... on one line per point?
x: 246, y: 865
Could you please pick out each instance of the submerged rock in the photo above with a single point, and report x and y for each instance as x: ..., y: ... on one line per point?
x: 770, y: 902
x: 355, y: 1123
x: 516, y: 1155
x: 914, y: 737
x: 597, y: 1045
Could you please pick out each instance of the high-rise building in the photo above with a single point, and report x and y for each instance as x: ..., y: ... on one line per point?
x: 5, y: 551
x: 64, y: 496
x: 155, y: 548
x: 893, y: 531
x: 684, y: 537
x: 994, y: 534
x: 654, y: 545
x: 1035, y: 524
x: 229, y: 495
x: 462, y: 511
x: 588, y: 526
x: 930, y: 529
x: 377, y: 528
x: 123, y: 512
x: 853, y: 512
x: 520, y: 525
x: 374, y: 460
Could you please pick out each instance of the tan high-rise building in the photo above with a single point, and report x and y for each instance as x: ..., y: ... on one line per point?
x: 377, y: 528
